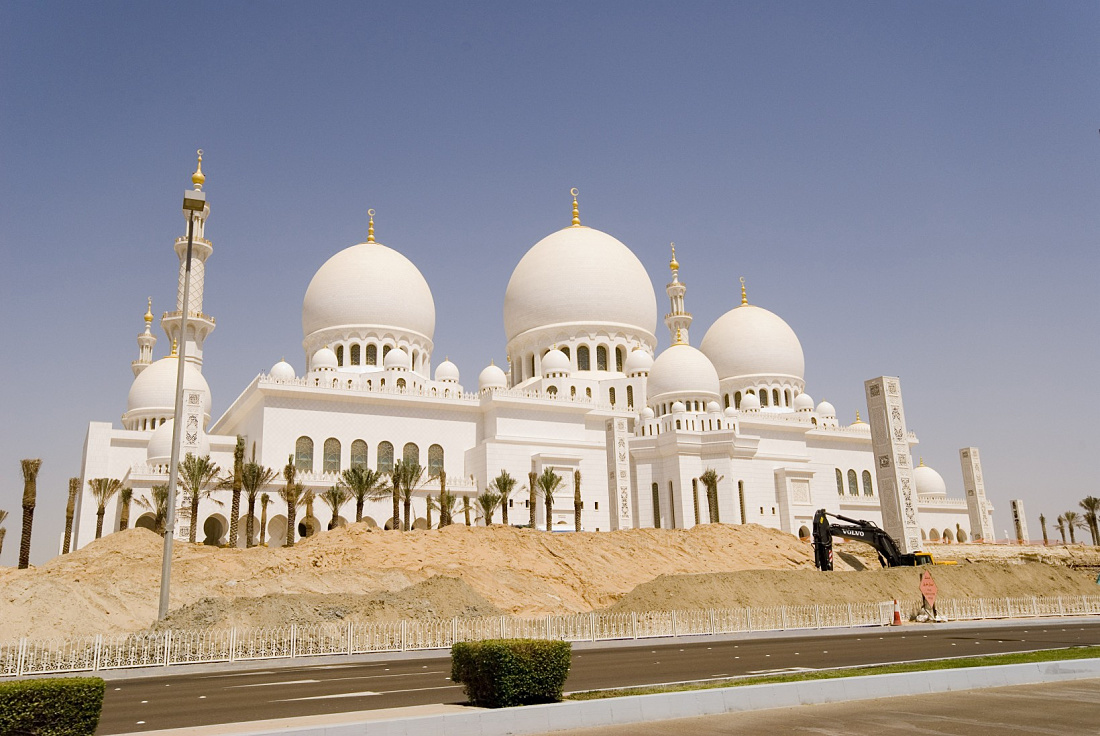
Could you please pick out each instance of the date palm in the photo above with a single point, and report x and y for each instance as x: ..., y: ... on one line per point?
x: 1043, y: 524
x: 1091, y: 505
x: 157, y: 504
x: 30, y: 493
x: 235, y: 483
x: 406, y: 479
x: 1062, y: 527
x: 125, y: 496
x: 466, y: 509
x: 264, y: 501
x: 1073, y: 522
x: 70, y: 509
x: 254, y: 478
x: 487, y: 504
x: 334, y: 498
x: 103, y: 490
x: 363, y: 484
x: 199, y: 478
x: 503, y: 484
x: 578, y: 504
x: 710, y: 480
x: 548, y: 483
x: 447, y: 504
x: 532, y: 499
x: 291, y: 493
x: 3, y: 531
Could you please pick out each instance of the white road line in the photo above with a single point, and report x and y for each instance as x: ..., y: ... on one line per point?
x: 281, y: 682
x: 366, y: 693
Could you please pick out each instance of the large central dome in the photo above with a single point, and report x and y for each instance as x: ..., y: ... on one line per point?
x: 584, y: 278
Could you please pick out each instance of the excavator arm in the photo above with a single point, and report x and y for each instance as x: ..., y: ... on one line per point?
x: 859, y: 530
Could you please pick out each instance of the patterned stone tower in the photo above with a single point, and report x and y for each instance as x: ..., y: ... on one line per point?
x: 893, y: 463
x: 981, y: 525
x: 1019, y: 520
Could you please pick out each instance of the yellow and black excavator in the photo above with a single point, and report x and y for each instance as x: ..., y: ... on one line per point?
x: 860, y: 530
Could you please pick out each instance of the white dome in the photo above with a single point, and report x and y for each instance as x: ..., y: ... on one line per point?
x: 492, y: 377
x: 583, y: 277
x: 639, y: 361
x: 159, y: 449
x: 154, y: 389
x: 713, y: 407
x: 751, y: 341
x: 324, y: 359
x: 682, y: 370
x: 396, y: 358
x: 730, y: 411
x: 282, y: 371
x: 677, y: 407
x: 555, y: 361
x: 446, y: 371
x: 750, y: 402
x: 929, y: 482
x: 647, y: 413
x: 368, y: 285
x: 826, y: 410
x: 803, y: 402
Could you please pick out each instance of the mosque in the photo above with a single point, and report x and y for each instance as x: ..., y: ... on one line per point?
x: 583, y: 391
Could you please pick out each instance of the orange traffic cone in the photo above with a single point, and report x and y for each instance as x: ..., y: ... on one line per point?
x: 897, y: 614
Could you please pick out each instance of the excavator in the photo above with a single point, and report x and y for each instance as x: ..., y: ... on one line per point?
x: 860, y: 530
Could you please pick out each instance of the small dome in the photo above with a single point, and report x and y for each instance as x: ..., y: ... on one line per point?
x: 713, y: 407
x: 803, y: 402
x: 639, y: 361
x: 492, y: 377
x: 555, y: 361
x: 730, y: 411
x: 751, y: 341
x: 324, y: 360
x: 859, y: 425
x: 678, y: 407
x: 929, y: 482
x: 681, y: 369
x: 750, y: 402
x: 647, y: 413
x: 159, y: 449
x: 826, y: 410
x: 396, y: 359
x: 282, y: 371
x: 153, y: 391
x: 446, y: 371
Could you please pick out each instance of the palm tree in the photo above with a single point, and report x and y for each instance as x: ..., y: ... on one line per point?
x: 487, y: 503
x: 406, y: 478
x: 70, y: 509
x: 305, y: 500
x: 578, y: 504
x: 532, y: 489
x: 362, y: 484
x: 430, y: 505
x: 125, y: 495
x: 30, y: 491
x: 1091, y: 505
x: 447, y: 503
x: 710, y: 480
x: 1073, y: 522
x: 335, y: 497
x: 503, y: 484
x: 103, y: 489
x: 1043, y: 523
x: 1062, y: 527
x: 264, y: 501
x: 254, y: 478
x: 291, y: 493
x: 466, y: 509
x: 197, y: 474
x: 548, y: 483
x: 158, y: 505
x: 3, y: 531
x: 235, y: 484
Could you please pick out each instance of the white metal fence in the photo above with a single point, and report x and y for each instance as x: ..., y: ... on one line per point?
x: 160, y: 649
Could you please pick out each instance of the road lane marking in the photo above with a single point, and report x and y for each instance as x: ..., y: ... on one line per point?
x: 365, y: 694
x: 281, y: 682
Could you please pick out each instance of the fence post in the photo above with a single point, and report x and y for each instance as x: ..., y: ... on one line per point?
x: 849, y: 615
x: 634, y: 623
x: 713, y: 621
x: 404, y: 635
x: 592, y: 623
x: 351, y: 648
x: 454, y: 630
x: 293, y: 641
x: 22, y: 656
x: 1061, y: 608
x: 783, y: 617
x: 981, y: 608
x: 748, y: 618
x: 168, y: 648
x: 502, y: 624
x: 1035, y: 606
x: 817, y: 615
x: 233, y: 644
x: 98, y: 645
x: 674, y: 620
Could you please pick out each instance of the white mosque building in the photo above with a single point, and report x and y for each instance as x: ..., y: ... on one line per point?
x: 582, y: 391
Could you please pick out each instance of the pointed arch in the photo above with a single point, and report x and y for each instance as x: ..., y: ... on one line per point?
x: 583, y: 363
x: 303, y: 454
x: 358, y: 454
x: 331, y: 461
x: 385, y: 457
x: 435, y: 460
x: 410, y: 454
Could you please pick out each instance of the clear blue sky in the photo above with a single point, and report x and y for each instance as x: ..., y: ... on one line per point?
x: 912, y: 186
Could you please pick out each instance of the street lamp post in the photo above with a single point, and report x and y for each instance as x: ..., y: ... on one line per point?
x: 193, y: 201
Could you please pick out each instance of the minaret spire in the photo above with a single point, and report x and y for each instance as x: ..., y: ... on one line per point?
x: 370, y: 226
x: 576, y: 211
x: 146, y: 341
x: 678, y: 319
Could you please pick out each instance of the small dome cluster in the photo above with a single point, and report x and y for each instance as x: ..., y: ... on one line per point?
x: 682, y: 372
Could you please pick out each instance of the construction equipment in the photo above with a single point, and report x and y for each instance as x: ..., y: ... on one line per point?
x: 860, y: 530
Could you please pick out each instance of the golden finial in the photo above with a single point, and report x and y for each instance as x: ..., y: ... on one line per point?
x: 674, y: 264
x: 370, y: 226
x: 198, y: 178
x: 576, y: 212
x: 175, y: 348
x: 858, y: 420
x: 679, y: 337
x: 922, y: 461
x: 149, y: 312
x: 744, y: 296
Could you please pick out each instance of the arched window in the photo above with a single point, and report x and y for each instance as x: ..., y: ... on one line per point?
x: 331, y: 462
x: 359, y: 454
x: 410, y: 454
x: 839, y: 482
x: 372, y: 355
x: 656, y: 507
x: 582, y: 358
x: 588, y: 392
x: 385, y: 349
x: 787, y: 397
x: 435, y: 461
x: 763, y: 397
x: 726, y: 401
x: 629, y: 397
x: 619, y: 353
x: 775, y: 397
x: 737, y: 400
x: 552, y: 390
x: 611, y: 396
x: 566, y: 350
x: 572, y: 392
x: 867, y: 490
x: 853, y: 484
x: 677, y: 424
x: 601, y: 358
x: 385, y: 457
x: 355, y: 354
x: 532, y: 359
x: 303, y: 454
x: 400, y: 383
x: 339, y: 355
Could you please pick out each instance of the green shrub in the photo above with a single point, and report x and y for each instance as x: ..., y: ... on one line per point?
x: 502, y: 672
x: 65, y: 706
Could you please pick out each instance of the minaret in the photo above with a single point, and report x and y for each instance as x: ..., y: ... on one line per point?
x: 199, y: 325
x: 678, y: 320
x: 146, y: 341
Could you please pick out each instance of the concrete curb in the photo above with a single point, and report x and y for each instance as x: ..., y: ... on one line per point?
x: 536, y: 719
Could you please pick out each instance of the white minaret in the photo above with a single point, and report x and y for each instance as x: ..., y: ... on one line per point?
x: 199, y: 325
x: 146, y: 341
x: 678, y: 319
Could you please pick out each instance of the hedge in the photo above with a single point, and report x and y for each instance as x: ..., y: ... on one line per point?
x: 503, y: 672
x: 65, y: 706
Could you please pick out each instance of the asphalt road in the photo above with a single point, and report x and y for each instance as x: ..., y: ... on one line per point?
x: 181, y: 700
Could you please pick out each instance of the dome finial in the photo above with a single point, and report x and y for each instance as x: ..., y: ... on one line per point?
x: 576, y: 212
x: 679, y: 337
x: 370, y: 226
x: 858, y: 420
x: 674, y: 264
x: 744, y: 296
x: 149, y: 312
x: 922, y: 461
x: 175, y: 348
x: 198, y: 178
